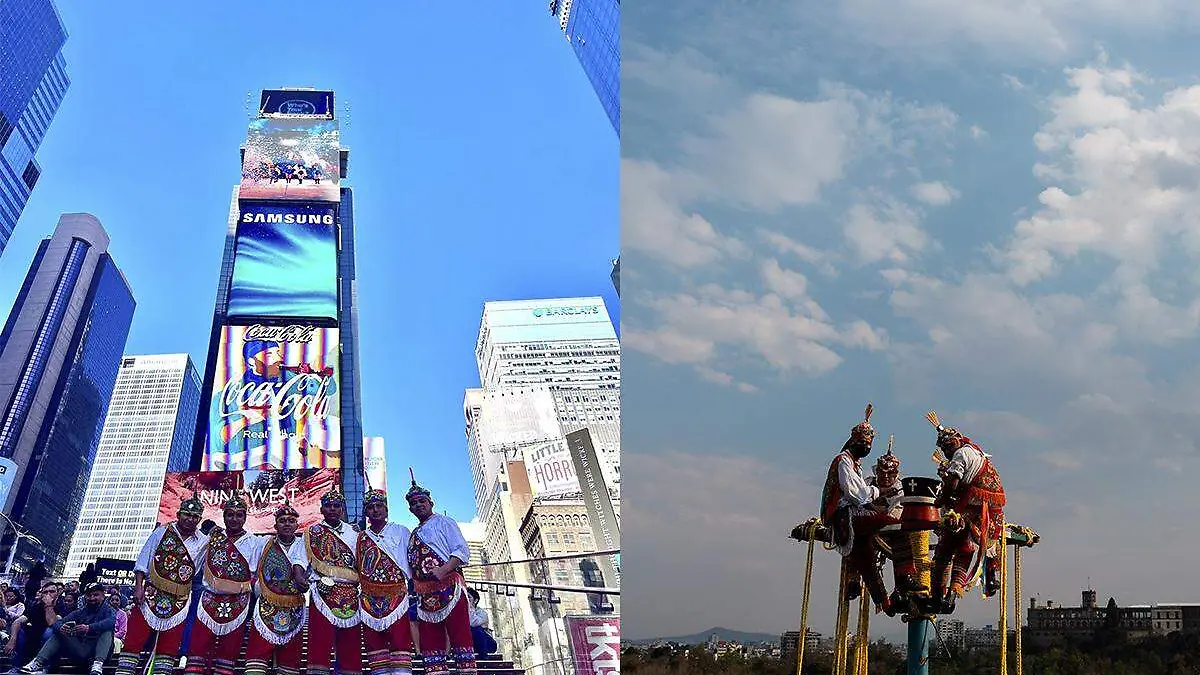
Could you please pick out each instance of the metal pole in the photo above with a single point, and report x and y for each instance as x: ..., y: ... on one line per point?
x: 12, y: 554
x: 920, y: 631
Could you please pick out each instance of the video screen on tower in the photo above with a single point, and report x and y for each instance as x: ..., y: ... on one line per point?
x: 285, y: 261
x: 291, y: 159
x: 276, y: 399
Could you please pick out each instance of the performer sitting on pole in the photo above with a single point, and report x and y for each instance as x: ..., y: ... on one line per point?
x: 904, y: 568
x: 225, y: 601
x: 162, y: 589
x: 971, y: 488
x: 854, y: 511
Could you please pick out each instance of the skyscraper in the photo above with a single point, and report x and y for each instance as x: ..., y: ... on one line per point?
x: 149, y: 430
x: 59, y: 354
x: 565, y: 342
x: 286, y: 309
x: 616, y: 275
x: 593, y: 27
x: 33, y: 81
x: 548, y: 367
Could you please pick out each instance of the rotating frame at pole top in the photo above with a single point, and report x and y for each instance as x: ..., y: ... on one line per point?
x: 920, y: 610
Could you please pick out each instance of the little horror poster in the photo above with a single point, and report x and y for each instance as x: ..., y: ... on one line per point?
x: 266, y: 490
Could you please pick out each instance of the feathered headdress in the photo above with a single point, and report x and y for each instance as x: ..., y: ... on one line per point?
x: 863, y: 431
x: 192, y: 506
x: 888, y: 461
x: 416, y: 490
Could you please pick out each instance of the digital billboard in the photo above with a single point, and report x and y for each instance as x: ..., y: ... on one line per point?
x: 266, y: 491
x: 291, y: 159
x: 276, y: 400
x: 375, y: 462
x: 285, y: 261
x: 295, y: 102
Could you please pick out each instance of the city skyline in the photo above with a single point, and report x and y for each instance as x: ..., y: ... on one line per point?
x: 417, y: 319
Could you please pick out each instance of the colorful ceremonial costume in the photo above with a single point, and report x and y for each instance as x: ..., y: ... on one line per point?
x: 225, y: 601
x: 281, y: 608
x: 977, y: 496
x: 169, y: 562
x: 332, y: 559
x: 845, y: 509
x: 897, y: 544
x: 383, y: 572
x: 442, y: 607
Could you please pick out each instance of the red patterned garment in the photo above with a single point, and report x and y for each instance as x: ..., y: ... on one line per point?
x: 334, y: 560
x: 225, y: 601
x: 384, y: 584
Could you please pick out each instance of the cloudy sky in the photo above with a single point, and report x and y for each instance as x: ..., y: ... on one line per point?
x: 987, y: 209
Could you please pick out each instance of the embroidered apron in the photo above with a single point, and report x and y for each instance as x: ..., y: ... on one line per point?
x: 338, y: 589
x: 170, y: 584
x: 225, y: 601
x: 282, y: 606
x: 436, y: 598
x: 384, y: 587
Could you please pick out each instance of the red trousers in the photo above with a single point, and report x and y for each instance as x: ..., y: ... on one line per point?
x: 220, y: 650
x: 864, y: 555
x: 166, y: 647
x: 389, y: 652
x: 456, y: 627
x: 259, y: 653
x: 322, y: 637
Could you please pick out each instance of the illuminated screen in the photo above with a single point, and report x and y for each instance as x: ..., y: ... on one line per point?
x: 276, y: 399
x: 266, y: 490
x: 291, y: 159
x: 285, y: 261
x: 293, y: 102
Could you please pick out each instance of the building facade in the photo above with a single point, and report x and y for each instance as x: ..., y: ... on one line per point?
x: 562, y: 342
x: 59, y: 355
x: 270, y: 323
x: 616, y: 275
x: 593, y: 27
x: 149, y: 430
x: 547, y: 368
x: 33, y: 82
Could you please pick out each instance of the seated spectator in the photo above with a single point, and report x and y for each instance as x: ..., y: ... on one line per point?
x: 13, y: 608
x: 117, y: 602
x: 85, y: 634
x: 66, y: 601
x: 485, y: 644
x: 29, y: 631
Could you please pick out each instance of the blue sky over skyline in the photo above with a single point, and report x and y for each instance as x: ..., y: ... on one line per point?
x: 985, y: 209
x: 483, y: 166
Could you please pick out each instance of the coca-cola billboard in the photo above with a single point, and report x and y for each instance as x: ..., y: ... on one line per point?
x: 276, y: 399
x: 595, y: 644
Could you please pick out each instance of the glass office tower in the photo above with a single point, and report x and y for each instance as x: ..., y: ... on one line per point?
x: 593, y: 28
x: 59, y: 354
x: 33, y: 81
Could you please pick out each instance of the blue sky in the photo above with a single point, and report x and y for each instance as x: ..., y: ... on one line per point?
x: 982, y: 208
x: 484, y: 169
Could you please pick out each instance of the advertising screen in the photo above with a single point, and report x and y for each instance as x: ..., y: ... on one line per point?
x: 267, y: 491
x: 375, y: 462
x: 285, y: 261
x: 276, y: 399
x: 291, y: 159
x: 292, y: 102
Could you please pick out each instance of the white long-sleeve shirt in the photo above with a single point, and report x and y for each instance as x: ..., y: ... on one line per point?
x: 196, y: 545
x: 442, y: 535
x: 394, y: 541
x: 855, y: 490
x: 966, y: 463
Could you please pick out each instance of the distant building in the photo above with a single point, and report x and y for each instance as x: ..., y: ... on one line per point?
x: 952, y: 633
x: 1050, y: 622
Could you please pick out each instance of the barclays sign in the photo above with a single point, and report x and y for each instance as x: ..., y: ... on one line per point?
x: 566, y: 311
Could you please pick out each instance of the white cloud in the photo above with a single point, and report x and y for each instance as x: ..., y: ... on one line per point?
x: 792, y: 334
x: 654, y: 222
x: 934, y: 193
x: 1123, y: 180
x: 888, y: 230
